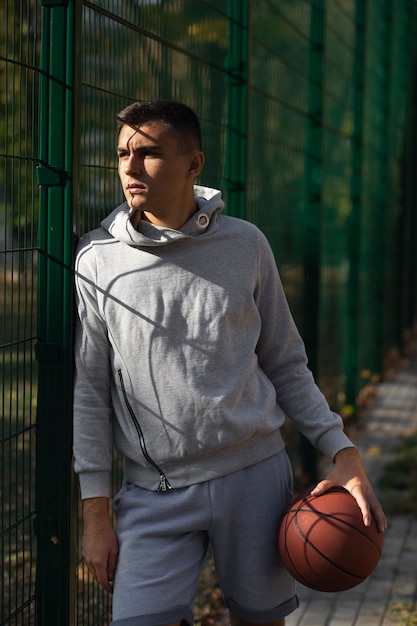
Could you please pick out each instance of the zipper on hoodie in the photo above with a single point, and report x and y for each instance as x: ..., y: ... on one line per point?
x: 163, y: 480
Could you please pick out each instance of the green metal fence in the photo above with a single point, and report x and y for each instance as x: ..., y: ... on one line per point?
x: 19, y: 76
x: 308, y: 111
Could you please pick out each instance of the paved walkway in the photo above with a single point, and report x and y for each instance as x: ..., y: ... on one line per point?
x: 389, y: 596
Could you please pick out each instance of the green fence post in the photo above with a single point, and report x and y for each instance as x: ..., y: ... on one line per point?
x: 313, y: 183
x: 383, y: 199
x: 410, y: 305
x: 236, y: 67
x: 408, y: 236
x: 412, y: 166
x: 313, y: 205
x: 351, y: 365
x: 53, y: 350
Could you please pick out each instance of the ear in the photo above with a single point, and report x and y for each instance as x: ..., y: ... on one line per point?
x: 196, y: 165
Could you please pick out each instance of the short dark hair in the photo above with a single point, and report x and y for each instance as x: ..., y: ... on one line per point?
x: 183, y: 121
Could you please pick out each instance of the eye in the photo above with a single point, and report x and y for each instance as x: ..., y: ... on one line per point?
x: 153, y: 154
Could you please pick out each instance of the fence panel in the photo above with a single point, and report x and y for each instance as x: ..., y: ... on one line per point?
x: 279, y: 96
x: 144, y: 51
x: 308, y: 111
x: 285, y: 155
x: 338, y: 127
x: 19, y: 76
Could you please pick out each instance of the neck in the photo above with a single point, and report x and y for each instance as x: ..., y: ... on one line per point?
x: 169, y: 217
x: 170, y: 221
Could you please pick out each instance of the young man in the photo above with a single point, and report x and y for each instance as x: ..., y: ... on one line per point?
x: 187, y: 357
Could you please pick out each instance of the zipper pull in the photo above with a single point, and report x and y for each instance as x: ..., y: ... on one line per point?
x: 163, y: 483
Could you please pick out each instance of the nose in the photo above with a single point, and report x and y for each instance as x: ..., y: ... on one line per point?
x: 132, y: 165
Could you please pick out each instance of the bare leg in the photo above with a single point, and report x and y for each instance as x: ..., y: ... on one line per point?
x: 236, y: 621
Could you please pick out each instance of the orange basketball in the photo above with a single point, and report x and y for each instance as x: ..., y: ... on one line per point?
x: 324, y: 544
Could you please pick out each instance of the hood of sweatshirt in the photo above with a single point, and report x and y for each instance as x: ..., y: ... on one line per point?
x: 204, y: 222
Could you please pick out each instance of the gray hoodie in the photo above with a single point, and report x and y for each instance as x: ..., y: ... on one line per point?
x: 187, y: 356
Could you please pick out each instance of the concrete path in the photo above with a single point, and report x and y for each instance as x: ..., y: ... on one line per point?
x: 389, y: 596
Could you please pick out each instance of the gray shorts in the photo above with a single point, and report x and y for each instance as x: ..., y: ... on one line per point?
x: 163, y: 538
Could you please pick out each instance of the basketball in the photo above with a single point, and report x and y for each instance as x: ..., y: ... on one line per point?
x: 324, y: 544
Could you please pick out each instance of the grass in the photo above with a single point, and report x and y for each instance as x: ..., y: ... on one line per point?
x: 398, y: 483
x: 403, y: 614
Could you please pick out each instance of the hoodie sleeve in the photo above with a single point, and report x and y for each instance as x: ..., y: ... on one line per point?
x: 282, y: 357
x: 92, y: 389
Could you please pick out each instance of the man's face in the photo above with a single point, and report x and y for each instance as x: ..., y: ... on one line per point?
x: 156, y: 176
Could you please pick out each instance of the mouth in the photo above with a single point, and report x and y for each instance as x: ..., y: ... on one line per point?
x: 135, y: 188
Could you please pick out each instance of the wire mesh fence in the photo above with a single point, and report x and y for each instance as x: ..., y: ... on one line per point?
x: 308, y: 113
x: 19, y: 72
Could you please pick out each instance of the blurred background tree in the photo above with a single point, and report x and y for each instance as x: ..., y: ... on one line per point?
x: 19, y: 80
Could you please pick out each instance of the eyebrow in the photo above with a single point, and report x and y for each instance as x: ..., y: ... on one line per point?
x: 146, y: 147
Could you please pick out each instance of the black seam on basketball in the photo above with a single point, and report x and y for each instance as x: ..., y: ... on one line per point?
x: 342, y: 569
x: 333, y: 516
x: 300, y: 576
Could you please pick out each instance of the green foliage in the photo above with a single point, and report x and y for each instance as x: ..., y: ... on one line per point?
x: 399, y: 481
x: 404, y: 612
x: 19, y: 78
